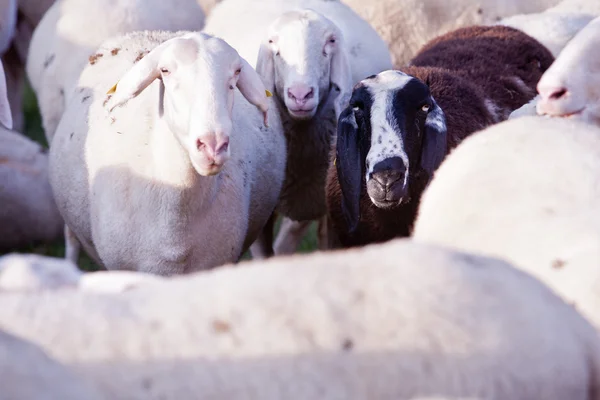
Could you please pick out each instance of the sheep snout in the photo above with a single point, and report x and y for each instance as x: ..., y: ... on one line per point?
x: 212, y: 151
x: 557, y: 100
x: 387, y: 186
x: 301, y: 101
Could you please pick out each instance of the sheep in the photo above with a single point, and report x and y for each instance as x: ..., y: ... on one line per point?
x: 18, y: 19
x: 525, y: 190
x: 66, y: 38
x: 190, y: 175
x: 35, y: 272
x: 421, y: 321
x: 553, y: 29
x: 407, y: 26
x: 26, y: 373
x: 569, y: 88
x: 278, y: 34
x: 400, y: 125
x: 581, y: 6
x: 28, y: 213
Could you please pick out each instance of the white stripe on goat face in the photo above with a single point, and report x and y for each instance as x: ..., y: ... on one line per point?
x: 386, y: 141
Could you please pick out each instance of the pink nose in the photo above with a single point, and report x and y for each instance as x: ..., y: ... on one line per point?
x: 553, y: 93
x: 213, y: 147
x: 300, y: 94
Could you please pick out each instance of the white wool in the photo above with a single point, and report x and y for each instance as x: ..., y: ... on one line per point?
x: 420, y: 322
x: 525, y: 190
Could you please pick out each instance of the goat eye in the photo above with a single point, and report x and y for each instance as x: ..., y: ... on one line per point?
x: 238, y: 71
x: 425, y: 108
x: 332, y: 40
x: 231, y: 87
x: 165, y: 71
x: 271, y: 41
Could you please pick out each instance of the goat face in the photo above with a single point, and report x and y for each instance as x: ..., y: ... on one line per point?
x: 392, y: 130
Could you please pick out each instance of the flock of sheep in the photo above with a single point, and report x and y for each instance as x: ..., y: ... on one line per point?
x: 449, y: 152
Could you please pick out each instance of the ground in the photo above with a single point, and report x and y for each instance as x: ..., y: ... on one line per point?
x: 33, y: 129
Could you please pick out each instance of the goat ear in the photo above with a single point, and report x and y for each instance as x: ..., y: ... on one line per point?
x: 348, y: 162
x: 434, y: 141
x: 253, y: 89
x: 142, y: 74
x: 265, y: 66
x: 5, y: 112
x: 341, y: 77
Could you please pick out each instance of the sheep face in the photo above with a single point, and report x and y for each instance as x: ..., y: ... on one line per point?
x: 198, y: 75
x: 571, y: 86
x: 302, y: 59
x: 392, y: 131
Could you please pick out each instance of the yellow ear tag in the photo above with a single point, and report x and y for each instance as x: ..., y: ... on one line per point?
x: 334, y: 161
x: 112, y: 89
x: 269, y: 94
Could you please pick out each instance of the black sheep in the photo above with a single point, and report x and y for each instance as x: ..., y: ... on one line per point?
x: 400, y: 125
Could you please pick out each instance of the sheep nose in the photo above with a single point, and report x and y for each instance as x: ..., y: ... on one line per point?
x: 389, y: 171
x: 553, y: 93
x: 301, y: 93
x: 213, y: 146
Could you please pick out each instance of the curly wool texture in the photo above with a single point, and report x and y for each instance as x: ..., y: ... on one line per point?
x: 525, y: 190
x: 420, y: 322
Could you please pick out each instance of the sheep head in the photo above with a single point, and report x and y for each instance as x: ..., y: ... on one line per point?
x: 571, y: 86
x: 302, y: 60
x: 198, y: 75
x: 392, y: 129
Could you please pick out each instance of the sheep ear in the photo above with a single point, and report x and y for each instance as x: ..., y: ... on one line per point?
x: 5, y: 112
x: 142, y: 74
x: 341, y: 78
x: 435, y: 140
x: 348, y: 162
x: 253, y: 89
x: 265, y: 66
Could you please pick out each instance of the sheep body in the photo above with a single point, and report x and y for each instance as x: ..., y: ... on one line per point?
x: 524, y: 190
x: 66, y: 38
x: 406, y: 27
x: 108, y: 198
x: 552, y: 29
x: 28, y: 213
x: 516, y: 61
x: 26, y: 372
x: 331, y: 325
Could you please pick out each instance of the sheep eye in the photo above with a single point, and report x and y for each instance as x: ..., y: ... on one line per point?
x: 425, y: 108
x: 231, y: 87
x: 238, y: 71
x: 270, y: 41
x: 332, y: 40
x: 165, y: 71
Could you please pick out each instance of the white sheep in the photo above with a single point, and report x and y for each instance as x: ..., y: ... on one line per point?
x: 18, y: 19
x: 578, y: 6
x: 407, y: 25
x: 552, y: 29
x: 27, y: 373
x: 35, y: 272
x: 421, y: 321
x: 169, y: 173
x: 70, y: 32
x: 28, y: 212
x: 569, y: 88
x: 309, y: 53
x: 527, y: 191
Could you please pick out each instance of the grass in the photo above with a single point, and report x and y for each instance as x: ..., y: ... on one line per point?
x: 34, y: 130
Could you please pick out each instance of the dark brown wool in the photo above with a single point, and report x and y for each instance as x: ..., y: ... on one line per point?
x: 478, y: 76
